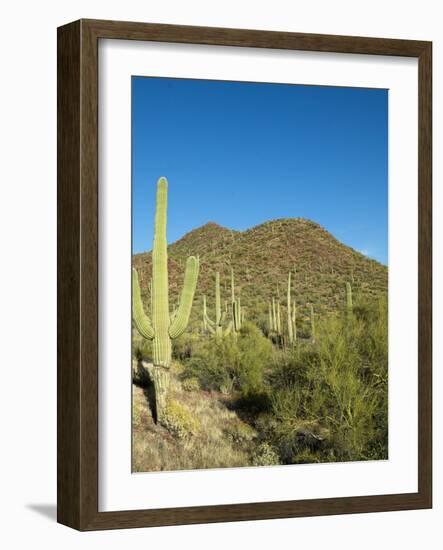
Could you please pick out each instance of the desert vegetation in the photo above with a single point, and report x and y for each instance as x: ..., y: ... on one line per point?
x: 276, y: 352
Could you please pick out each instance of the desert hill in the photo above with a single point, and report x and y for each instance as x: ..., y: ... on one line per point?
x: 262, y: 257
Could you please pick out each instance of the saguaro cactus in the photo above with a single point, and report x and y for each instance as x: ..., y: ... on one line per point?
x: 274, y: 315
x: 216, y: 327
x: 205, y: 322
x: 349, y: 298
x: 312, y: 317
x: 237, y: 312
x: 271, y: 319
x: 163, y: 328
x: 292, y: 314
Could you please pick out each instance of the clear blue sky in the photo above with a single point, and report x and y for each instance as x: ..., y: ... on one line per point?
x: 239, y: 154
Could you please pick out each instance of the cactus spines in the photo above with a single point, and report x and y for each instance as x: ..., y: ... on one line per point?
x: 349, y: 298
x: 216, y: 327
x: 162, y: 329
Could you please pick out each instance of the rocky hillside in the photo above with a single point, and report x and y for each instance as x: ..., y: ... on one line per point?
x: 262, y: 257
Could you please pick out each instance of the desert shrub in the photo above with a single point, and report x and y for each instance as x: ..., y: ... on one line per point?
x: 232, y: 363
x: 213, y: 363
x: 142, y: 349
x: 307, y: 457
x: 183, y: 346
x: 255, y: 353
x: 179, y: 421
x: 191, y: 384
x: 329, y: 399
x: 265, y: 455
x: 239, y: 432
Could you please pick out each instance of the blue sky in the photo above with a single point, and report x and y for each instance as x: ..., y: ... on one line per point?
x: 239, y: 153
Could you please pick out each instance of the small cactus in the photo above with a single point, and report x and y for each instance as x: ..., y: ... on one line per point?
x: 164, y: 327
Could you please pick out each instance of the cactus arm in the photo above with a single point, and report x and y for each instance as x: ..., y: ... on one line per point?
x: 141, y: 320
x: 181, y: 319
x: 228, y: 329
x: 209, y: 321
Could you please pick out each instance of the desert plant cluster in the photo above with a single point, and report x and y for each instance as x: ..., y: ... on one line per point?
x: 227, y: 378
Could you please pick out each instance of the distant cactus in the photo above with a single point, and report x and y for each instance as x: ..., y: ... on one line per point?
x: 237, y: 312
x: 349, y: 298
x: 216, y: 327
x: 205, y: 322
x: 291, y: 313
x: 163, y: 328
x: 274, y: 316
x: 312, y: 317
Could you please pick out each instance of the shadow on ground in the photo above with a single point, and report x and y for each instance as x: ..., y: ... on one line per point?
x: 48, y: 511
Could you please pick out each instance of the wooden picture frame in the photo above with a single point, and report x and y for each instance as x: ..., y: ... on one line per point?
x: 78, y: 274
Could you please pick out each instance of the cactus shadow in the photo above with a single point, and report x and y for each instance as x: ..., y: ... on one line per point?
x: 143, y: 379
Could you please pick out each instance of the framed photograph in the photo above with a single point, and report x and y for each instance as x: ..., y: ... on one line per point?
x: 244, y: 275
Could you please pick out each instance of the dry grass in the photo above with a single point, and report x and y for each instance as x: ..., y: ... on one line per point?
x: 222, y: 440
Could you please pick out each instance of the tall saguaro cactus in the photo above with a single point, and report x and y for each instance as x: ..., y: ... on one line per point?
x: 216, y: 327
x: 163, y: 328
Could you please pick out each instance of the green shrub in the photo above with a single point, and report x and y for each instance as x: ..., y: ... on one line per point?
x: 183, y: 346
x: 191, y: 384
x: 329, y: 399
x: 239, y: 432
x: 232, y: 363
x: 142, y: 350
x: 179, y: 421
x: 213, y: 363
x: 255, y: 355
x: 265, y: 455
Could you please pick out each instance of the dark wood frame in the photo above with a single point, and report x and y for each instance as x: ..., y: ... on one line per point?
x: 77, y: 456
